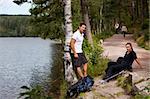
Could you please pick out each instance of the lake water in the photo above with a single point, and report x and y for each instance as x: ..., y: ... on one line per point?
x: 26, y: 61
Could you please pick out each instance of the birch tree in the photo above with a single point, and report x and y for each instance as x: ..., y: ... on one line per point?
x: 69, y: 73
x: 101, y: 15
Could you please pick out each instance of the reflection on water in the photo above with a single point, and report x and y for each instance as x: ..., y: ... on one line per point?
x: 56, y: 70
x: 28, y: 61
x: 53, y: 81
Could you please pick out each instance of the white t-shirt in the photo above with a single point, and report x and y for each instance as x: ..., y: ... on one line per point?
x: 78, y: 37
x: 116, y: 25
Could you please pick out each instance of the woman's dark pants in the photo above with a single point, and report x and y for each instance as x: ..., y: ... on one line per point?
x: 113, y: 68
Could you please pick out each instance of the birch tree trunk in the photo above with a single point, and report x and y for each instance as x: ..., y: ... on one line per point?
x: 70, y: 76
x: 84, y: 10
x: 101, y: 15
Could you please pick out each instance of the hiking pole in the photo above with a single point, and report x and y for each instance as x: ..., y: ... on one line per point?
x: 115, y: 75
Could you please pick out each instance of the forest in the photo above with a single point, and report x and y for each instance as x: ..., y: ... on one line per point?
x: 102, y: 14
x: 47, y: 19
x: 15, y: 26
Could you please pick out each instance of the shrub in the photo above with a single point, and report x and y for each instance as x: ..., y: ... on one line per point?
x: 96, y: 64
x: 34, y: 93
x: 145, y: 25
x: 142, y: 35
x: 104, y: 35
x: 140, y: 41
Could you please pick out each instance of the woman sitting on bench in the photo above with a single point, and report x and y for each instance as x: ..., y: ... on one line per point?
x: 123, y: 63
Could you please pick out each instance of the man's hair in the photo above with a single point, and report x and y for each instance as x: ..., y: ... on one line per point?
x: 82, y: 24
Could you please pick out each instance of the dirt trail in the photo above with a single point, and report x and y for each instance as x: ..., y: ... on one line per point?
x: 114, y: 47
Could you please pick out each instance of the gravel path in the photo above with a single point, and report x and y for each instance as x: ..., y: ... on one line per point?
x: 114, y: 47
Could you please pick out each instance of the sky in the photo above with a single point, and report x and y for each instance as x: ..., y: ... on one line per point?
x: 11, y: 8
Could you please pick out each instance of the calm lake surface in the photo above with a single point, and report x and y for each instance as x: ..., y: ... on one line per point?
x: 27, y: 61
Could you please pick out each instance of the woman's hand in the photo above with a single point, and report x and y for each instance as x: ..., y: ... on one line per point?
x: 140, y: 66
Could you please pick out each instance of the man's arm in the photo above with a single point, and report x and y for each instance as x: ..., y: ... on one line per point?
x: 73, y: 48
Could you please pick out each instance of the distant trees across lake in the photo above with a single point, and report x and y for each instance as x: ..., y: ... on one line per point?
x: 16, y: 26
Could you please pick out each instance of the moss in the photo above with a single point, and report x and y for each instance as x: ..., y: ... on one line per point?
x: 125, y: 84
x: 139, y: 96
x: 120, y: 81
x: 63, y: 90
x: 119, y: 94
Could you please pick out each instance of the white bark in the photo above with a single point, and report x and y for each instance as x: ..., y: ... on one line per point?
x: 101, y: 15
x: 69, y: 73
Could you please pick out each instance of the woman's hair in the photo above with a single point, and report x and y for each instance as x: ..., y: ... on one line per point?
x: 130, y: 45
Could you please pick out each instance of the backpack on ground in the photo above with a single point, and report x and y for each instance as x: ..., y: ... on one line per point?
x: 82, y: 85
